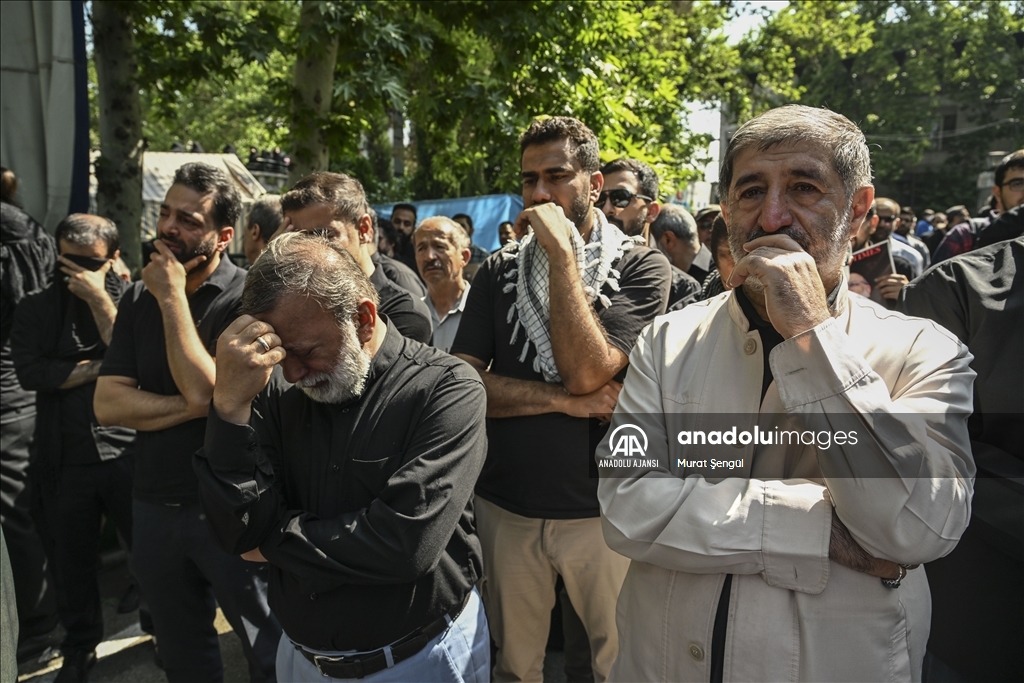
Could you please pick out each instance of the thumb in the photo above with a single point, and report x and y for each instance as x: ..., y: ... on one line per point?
x: 194, y: 262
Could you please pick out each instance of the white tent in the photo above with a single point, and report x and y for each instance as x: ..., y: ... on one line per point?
x: 158, y: 170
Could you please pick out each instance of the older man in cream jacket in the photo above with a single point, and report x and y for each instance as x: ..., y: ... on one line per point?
x: 805, y: 450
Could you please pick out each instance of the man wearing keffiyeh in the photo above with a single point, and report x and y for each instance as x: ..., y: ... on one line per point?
x: 549, y: 324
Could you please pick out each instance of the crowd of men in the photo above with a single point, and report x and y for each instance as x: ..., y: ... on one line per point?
x: 385, y: 454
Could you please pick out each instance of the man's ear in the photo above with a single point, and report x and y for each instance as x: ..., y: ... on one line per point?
x: 466, y: 256
x: 653, y: 209
x: 366, y: 320
x: 863, y: 198
x: 668, y: 238
x: 224, y: 237
x: 365, y: 229
x: 596, y: 185
x: 116, y: 255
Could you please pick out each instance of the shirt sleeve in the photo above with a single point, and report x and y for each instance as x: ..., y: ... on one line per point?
x: 644, y: 284
x: 903, y: 489
x: 31, y: 351
x: 396, y: 539
x: 476, y: 328
x: 780, y: 529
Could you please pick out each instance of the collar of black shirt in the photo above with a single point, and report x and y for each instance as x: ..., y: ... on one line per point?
x: 223, y: 275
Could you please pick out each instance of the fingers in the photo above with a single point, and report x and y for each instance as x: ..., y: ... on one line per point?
x: 522, y: 225
x: 69, y: 267
x: 194, y: 262
x: 162, y: 248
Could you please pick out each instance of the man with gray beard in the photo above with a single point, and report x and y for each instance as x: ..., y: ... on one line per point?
x: 799, y: 562
x: 355, y: 481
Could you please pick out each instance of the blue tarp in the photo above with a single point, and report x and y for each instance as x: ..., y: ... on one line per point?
x: 487, y: 213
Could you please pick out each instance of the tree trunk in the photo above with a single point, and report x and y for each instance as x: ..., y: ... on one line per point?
x: 312, y: 92
x: 119, y: 167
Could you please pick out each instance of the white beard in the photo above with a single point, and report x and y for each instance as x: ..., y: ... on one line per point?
x: 348, y: 378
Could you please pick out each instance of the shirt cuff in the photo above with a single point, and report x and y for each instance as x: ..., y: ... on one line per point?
x: 795, y: 537
x: 229, y: 447
x: 816, y: 365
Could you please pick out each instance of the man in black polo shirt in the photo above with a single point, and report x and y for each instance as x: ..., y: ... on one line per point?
x: 356, y: 482
x: 334, y: 205
x: 158, y: 378
x: 549, y: 325
x: 58, y: 341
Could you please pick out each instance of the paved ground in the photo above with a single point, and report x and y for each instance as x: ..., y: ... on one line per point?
x: 126, y: 654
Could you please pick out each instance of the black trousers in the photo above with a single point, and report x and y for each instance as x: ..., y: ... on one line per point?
x: 33, y: 584
x: 184, y: 576
x: 86, y: 493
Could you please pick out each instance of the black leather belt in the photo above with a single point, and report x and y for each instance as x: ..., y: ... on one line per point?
x: 367, y: 663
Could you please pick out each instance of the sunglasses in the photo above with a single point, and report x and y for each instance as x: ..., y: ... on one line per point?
x: 620, y: 198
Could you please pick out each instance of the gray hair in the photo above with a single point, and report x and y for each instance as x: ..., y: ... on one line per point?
x: 456, y: 233
x: 85, y: 230
x: 796, y: 123
x: 307, y: 265
x: 677, y: 220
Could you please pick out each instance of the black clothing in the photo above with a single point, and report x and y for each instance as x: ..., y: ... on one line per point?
x: 184, y: 577
x: 977, y: 601
x: 87, y: 493
x: 1006, y: 226
x: 408, y: 312
x: 702, y: 264
x: 401, y: 274
x: 163, y: 466
x: 363, y: 509
x: 684, y: 291
x: 712, y: 286
x: 540, y: 465
x: 27, y: 258
x: 52, y: 332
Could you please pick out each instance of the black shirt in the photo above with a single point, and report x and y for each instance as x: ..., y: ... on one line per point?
x: 539, y: 465
x: 401, y: 274
x: 685, y: 290
x: 408, y: 313
x: 27, y: 258
x: 53, y: 331
x: 163, y: 465
x: 363, y: 509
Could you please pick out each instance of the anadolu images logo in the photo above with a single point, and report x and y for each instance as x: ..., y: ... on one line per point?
x: 628, y: 443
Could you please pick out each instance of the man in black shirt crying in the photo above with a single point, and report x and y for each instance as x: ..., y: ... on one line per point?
x: 354, y: 482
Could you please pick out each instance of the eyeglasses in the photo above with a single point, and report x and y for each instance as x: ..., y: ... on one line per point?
x: 887, y: 219
x: 620, y: 198
x: 1017, y: 184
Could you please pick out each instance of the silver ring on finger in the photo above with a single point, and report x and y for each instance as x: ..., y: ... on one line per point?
x: 263, y: 344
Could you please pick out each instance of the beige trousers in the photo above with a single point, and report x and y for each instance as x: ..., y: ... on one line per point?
x: 522, y: 559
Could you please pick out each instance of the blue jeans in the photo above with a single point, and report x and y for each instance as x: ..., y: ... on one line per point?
x: 184, y: 576
x: 462, y: 653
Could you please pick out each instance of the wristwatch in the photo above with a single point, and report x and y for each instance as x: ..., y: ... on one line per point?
x: 895, y: 583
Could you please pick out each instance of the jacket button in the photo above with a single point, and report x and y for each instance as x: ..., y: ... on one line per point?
x: 749, y: 346
x: 336, y: 468
x: 313, y: 596
x: 696, y: 652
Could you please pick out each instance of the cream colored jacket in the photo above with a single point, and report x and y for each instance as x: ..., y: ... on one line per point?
x: 793, y: 614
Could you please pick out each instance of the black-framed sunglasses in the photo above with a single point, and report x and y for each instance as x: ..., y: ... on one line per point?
x: 620, y: 198
x: 1017, y: 184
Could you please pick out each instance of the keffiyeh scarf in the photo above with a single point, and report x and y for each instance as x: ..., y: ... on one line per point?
x: 530, y: 278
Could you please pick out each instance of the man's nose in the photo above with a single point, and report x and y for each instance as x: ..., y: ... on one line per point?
x: 608, y: 208
x: 541, y: 193
x: 775, y: 212
x: 293, y: 369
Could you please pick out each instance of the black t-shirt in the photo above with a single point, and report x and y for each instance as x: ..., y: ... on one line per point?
x: 163, y: 465
x: 540, y: 465
x: 401, y: 274
x: 685, y: 290
x: 406, y: 312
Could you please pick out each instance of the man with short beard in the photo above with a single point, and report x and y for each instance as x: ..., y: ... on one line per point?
x: 797, y: 560
x: 548, y: 325
x: 629, y: 198
x: 157, y: 378
x: 355, y: 482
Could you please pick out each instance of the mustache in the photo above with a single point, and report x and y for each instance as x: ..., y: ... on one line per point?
x: 172, y: 240
x: 617, y: 221
x: 433, y: 264
x: 796, y: 235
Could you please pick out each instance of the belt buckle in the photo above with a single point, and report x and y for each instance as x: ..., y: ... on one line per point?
x: 353, y: 661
